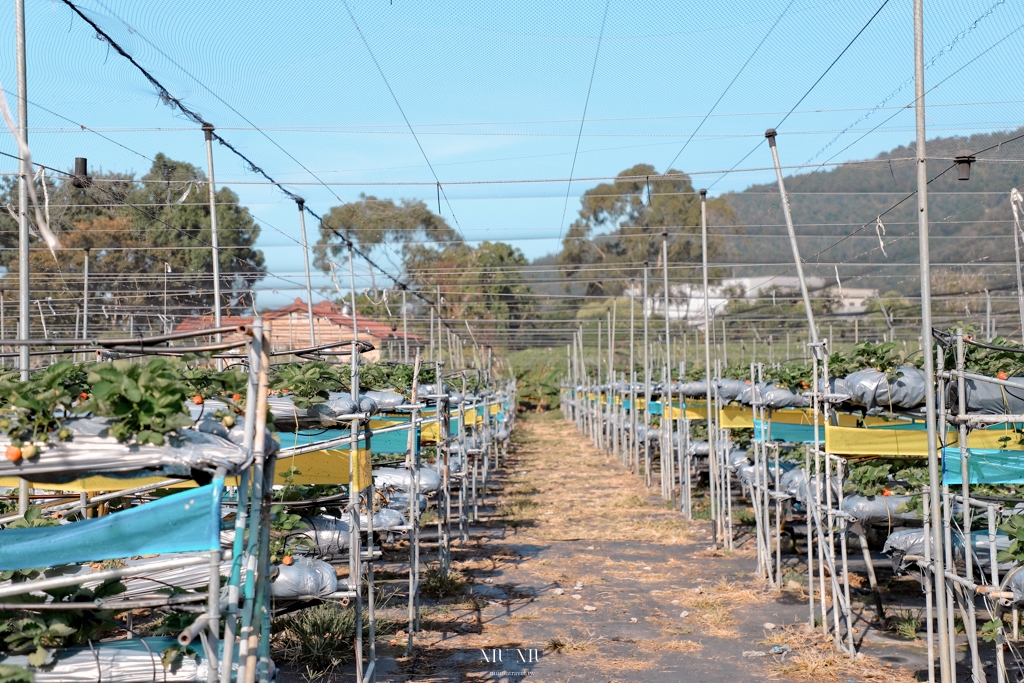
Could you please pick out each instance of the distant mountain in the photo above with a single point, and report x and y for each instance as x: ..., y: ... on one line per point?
x: 835, y: 213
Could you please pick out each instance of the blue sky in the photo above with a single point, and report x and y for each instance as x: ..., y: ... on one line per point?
x: 496, y: 92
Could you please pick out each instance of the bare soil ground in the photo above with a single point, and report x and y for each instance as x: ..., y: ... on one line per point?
x: 576, y: 572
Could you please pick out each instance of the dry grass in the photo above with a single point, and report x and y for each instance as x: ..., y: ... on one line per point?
x: 524, y: 616
x: 714, y: 616
x: 578, y: 498
x: 813, y: 657
x: 572, y: 645
x: 673, y: 645
x: 724, y: 553
x: 712, y: 607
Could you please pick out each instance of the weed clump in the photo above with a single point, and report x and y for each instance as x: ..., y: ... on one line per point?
x: 321, y: 637
x: 437, y: 584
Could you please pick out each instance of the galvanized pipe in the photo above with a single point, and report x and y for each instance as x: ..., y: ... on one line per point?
x: 305, y: 264
x: 934, y: 477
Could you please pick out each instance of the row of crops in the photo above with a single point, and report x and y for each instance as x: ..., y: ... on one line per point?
x: 170, y: 509
x: 833, y: 455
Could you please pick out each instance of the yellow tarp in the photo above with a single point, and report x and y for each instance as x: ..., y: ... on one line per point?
x: 699, y: 412
x: 736, y: 417
x: 430, y: 432
x: 326, y: 467
x: 318, y: 467
x: 496, y: 407
x: 873, y: 421
x: 904, y: 442
x: 793, y: 416
x: 805, y: 416
x: 91, y: 484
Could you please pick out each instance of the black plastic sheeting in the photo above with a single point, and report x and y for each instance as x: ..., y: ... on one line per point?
x: 873, y: 390
x: 903, y: 542
x: 880, y: 510
x: 304, y: 578
x: 989, y: 398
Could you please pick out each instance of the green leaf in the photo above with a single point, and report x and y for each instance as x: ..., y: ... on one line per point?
x: 39, y: 657
x: 989, y: 630
x: 10, y: 673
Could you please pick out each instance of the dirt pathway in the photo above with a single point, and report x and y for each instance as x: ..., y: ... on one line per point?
x: 577, y: 573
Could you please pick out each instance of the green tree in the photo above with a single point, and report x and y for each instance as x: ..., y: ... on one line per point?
x: 483, y: 282
x: 620, y: 227
x: 134, y: 231
x: 371, y: 222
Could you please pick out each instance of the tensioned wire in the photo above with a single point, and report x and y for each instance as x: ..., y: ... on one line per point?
x: 169, y: 98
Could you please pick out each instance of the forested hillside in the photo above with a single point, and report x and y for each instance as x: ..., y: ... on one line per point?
x: 829, y: 206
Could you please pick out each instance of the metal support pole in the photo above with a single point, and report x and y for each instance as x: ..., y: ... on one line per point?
x: 610, y: 400
x: 632, y: 382
x: 770, y: 134
x: 405, y: 334
x: 598, y: 441
x: 305, y: 264
x: 647, y: 388
x: 24, y: 177
x: 85, y: 296
x: 167, y: 270
x: 352, y: 294
x: 934, y: 477
x: 668, y: 457
x: 712, y: 469
x: 988, y: 316
x: 214, y: 238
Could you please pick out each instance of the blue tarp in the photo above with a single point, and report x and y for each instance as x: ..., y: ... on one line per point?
x: 182, y: 522
x: 984, y: 466
x: 788, y: 433
x: 388, y: 442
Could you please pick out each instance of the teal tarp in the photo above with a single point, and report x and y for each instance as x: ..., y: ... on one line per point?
x: 182, y: 522
x: 788, y: 433
x: 984, y: 466
x: 388, y: 442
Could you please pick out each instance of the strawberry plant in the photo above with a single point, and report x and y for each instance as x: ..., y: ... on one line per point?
x: 884, y: 357
x: 991, y: 362
x: 1014, y: 528
x: 39, y: 634
x: 793, y: 375
x: 172, y: 656
x: 398, y: 377
x: 171, y: 625
x: 146, y: 400
x: 309, y: 383
x: 33, y: 518
x: 10, y: 673
x: 211, y: 383
x: 886, y: 477
x: 990, y: 629
x: 282, y: 542
x: 36, y: 635
x: 33, y: 406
